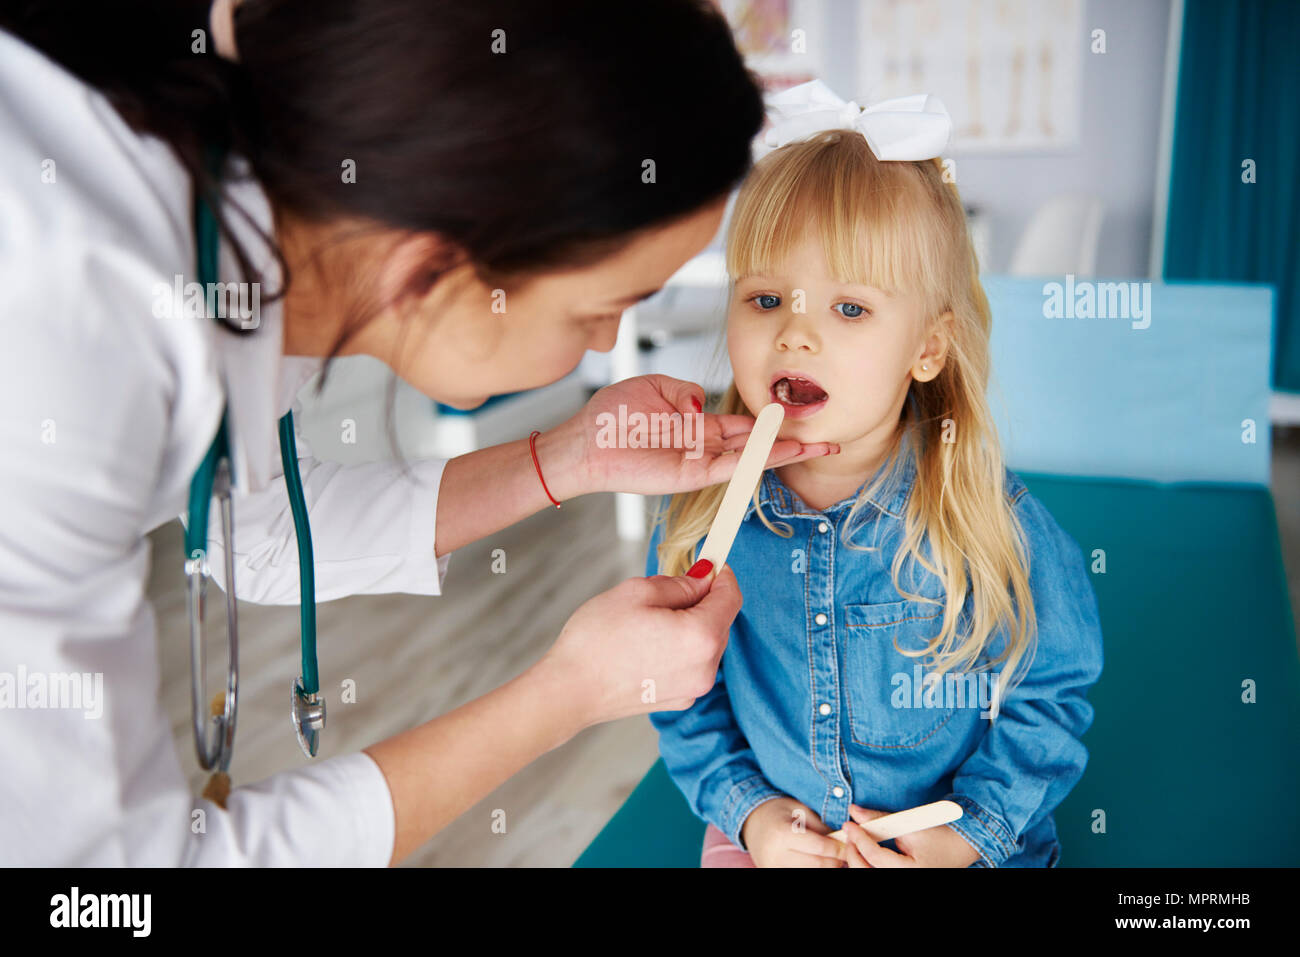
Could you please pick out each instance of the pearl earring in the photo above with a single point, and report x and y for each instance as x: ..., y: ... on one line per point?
x: 924, y: 367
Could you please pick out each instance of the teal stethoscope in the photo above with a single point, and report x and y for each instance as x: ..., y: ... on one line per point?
x: 213, y: 480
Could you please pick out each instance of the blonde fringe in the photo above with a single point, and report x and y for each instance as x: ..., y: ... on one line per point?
x: 898, y: 226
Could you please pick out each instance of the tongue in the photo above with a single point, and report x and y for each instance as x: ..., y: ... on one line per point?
x: 803, y: 392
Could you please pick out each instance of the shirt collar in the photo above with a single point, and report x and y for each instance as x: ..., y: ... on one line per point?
x: 780, y: 500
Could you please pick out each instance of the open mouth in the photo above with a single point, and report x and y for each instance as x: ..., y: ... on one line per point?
x: 796, y: 390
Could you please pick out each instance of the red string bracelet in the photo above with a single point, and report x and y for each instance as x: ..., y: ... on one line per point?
x: 532, y: 445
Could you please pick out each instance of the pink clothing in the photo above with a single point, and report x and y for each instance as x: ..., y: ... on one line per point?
x: 720, y: 852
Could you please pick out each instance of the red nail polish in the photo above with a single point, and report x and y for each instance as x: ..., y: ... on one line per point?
x: 701, y: 568
x: 696, y: 402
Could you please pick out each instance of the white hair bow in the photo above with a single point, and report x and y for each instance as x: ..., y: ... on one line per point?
x: 913, y: 127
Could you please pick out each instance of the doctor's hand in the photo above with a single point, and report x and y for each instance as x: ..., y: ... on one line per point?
x: 703, y: 450
x: 647, y: 644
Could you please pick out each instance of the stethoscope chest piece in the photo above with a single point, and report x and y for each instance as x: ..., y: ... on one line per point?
x: 308, y: 718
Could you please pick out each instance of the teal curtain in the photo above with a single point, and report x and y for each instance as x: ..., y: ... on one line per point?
x: 1238, y: 100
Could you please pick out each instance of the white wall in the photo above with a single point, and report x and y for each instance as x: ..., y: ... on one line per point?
x: 1116, y: 159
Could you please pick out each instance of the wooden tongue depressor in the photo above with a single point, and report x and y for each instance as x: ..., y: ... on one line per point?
x: 740, y: 489
x: 907, y: 822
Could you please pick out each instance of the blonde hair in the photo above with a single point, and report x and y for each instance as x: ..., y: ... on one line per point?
x: 897, y: 226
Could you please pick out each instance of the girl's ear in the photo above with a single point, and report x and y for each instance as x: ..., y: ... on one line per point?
x: 930, y: 362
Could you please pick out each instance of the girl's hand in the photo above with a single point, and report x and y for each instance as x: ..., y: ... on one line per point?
x: 773, y: 835
x: 933, y: 847
x: 702, y: 456
x: 647, y: 644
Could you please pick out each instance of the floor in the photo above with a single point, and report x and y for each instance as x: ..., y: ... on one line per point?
x: 414, y: 657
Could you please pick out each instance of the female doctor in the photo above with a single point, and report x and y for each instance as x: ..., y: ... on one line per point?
x: 396, y: 172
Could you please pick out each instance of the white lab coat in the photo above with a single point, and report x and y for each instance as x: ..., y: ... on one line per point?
x: 105, y: 412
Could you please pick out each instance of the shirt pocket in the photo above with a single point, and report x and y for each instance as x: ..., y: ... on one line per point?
x: 886, y: 707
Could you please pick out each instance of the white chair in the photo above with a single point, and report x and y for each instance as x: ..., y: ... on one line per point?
x: 1061, y: 237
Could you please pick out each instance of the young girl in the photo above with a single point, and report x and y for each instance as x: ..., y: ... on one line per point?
x: 916, y: 625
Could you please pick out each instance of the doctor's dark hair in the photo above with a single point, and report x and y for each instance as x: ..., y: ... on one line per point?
x: 526, y: 160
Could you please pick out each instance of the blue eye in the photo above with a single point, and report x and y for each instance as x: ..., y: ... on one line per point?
x: 766, y: 301
x: 852, y: 315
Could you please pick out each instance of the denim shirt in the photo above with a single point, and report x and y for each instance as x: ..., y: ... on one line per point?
x: 813, y: 701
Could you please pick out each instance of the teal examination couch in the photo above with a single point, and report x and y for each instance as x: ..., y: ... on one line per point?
x: 1148, y: 439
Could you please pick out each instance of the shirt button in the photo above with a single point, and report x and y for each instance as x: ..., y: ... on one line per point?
x: 825, y: 709
x: 822, y: 527
x: 838, y: 791
x: 820, y: 619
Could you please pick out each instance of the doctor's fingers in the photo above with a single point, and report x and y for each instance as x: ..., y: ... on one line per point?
x: 719, y: 607
x: 679, y: 393
x: 685, y: 591
x: 667, y: 591
x: 695, y: 638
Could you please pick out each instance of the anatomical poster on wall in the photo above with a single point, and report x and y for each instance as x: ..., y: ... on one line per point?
x: 1008, y: 71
